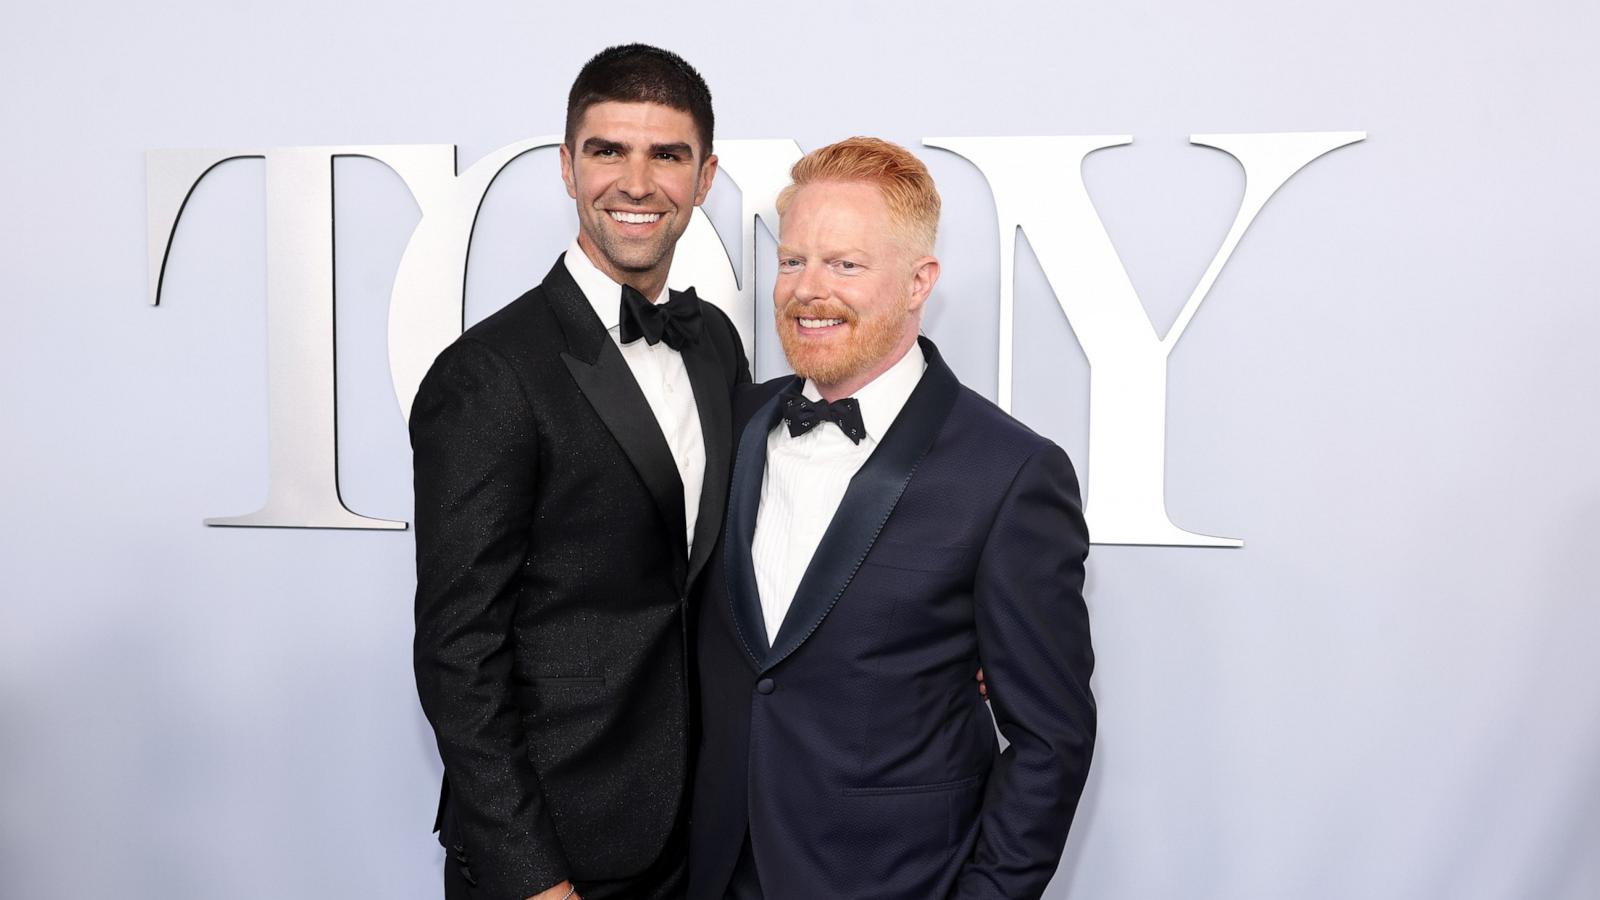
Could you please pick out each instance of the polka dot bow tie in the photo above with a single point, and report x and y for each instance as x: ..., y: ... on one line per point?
x: 804, y: 415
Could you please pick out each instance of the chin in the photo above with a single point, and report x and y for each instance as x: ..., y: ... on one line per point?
x: 820, y: 365
x: 630, y: 259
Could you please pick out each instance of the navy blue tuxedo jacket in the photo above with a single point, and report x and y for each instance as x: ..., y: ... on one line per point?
x: 855, y: 750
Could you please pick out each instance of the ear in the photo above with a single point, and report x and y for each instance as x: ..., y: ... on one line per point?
x: 708, y: 174
x: 566, y: 172
x: 924, y: 275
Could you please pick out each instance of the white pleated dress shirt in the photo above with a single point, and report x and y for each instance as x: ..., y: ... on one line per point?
x: 806, y: 479
x: 661, y: 375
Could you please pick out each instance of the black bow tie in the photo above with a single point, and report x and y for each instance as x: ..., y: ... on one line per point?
x: 676, y: 321
x: 804, y: 415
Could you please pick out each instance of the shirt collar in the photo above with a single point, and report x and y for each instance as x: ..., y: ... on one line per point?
x: 602, y: 293
x: 882, y: 398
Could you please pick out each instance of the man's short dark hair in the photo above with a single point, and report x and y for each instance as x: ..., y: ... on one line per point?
x: 640, y: 73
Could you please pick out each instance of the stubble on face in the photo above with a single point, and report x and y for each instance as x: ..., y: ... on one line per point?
x: 634, y: 256
x: 637, y: 174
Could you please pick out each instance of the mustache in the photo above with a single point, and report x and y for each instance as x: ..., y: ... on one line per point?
x: 814, y: 309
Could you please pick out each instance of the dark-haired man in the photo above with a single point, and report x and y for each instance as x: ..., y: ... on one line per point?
x: 571, y: 452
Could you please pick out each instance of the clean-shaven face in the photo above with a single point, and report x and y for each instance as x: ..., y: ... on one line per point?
x: 849, y: 290
x: 637, y: 172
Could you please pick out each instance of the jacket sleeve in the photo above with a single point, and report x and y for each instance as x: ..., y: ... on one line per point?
x: 475, y: 464
x: 1033, y: 639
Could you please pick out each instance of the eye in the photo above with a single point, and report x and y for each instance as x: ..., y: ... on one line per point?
x: 788, y: 263
x: 849, y: 267
x: 665, y: 156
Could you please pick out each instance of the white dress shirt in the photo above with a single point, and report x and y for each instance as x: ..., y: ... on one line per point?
x: 806, y: 479
x: 661, y: 376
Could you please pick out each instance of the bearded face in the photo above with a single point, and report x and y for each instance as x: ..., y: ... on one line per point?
x: 827, y: 341
x: 849, y: 291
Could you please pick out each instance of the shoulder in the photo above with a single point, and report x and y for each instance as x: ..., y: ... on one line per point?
x: 498, y: 351
x: 719, y: 330
x: 714, y: 316
x: 525, y: 334
x: 981, y: 436
x: 472, y: 395
x: 513, y: 326
x: 1026, y: 476
x: 974, y: 411
x: 747, y: 398
x: 974, y: 429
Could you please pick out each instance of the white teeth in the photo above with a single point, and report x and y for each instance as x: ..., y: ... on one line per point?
x: 819, y: 323
x: 635, y: 218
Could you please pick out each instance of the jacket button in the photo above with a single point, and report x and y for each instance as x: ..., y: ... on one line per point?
x: 764, y: 686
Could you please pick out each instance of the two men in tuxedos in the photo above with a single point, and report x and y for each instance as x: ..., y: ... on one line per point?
x: 887, y: 530
x: 570, y: 456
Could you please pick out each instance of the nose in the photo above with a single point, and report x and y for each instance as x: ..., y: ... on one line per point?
x: 808, y: 285
x: 635, y: 181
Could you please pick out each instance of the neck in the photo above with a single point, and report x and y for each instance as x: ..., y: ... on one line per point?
x: 650, y: 283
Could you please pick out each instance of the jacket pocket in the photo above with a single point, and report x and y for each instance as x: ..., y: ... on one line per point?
x: 936, y: 786
x: 560, y: 681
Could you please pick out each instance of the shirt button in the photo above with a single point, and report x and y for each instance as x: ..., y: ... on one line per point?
x: 765, y: 686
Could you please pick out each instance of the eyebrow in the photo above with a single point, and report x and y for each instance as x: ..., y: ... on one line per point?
x: 600, y: 145
x: 836, y: 253
x: 678, y: 149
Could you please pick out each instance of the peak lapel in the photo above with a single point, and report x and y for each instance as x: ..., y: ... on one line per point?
x: 867, y: 504
x: 608, y: 384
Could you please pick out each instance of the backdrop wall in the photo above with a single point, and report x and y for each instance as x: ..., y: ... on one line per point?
x: 1390, y: 691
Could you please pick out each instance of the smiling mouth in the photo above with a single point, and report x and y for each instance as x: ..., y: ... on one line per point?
x: 634, y: 218
x: 818, y: 323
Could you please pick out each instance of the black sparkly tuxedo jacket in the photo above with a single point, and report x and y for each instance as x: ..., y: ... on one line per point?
x: 551, y: 647
x: 854, y: 752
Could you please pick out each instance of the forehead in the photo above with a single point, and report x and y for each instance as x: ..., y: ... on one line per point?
x: 632, y: 121
x: 825, y: 209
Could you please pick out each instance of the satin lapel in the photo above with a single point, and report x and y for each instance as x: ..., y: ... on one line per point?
x: 711, y: 399
x: 608, y: 384
x: 744, y: 501
x: 867, y: 504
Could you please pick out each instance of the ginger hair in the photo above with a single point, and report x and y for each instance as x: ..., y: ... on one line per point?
x: 901, y: 179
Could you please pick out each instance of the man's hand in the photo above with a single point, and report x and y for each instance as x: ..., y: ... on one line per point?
x: 562, y: 891
x: 983, y: 689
